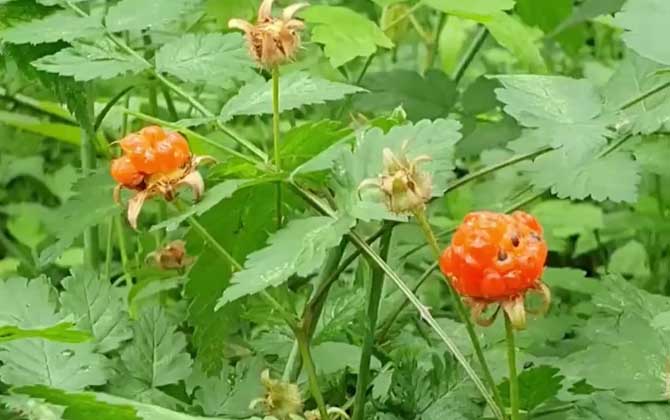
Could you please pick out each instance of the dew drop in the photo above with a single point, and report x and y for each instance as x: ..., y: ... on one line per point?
x: 67, y: 353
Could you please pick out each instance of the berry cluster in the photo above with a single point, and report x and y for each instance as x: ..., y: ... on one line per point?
x: 150, y: 151
x: 494, y: 256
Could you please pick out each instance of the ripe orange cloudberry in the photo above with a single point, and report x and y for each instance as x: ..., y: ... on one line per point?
x: 496, y: 259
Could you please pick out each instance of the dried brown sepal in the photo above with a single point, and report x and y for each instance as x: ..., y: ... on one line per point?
x: 406, y: 189
x: 272, y: 41
x: 477, y: 309
x: 335, y: 413
x: 516, y: 312
x: 545, y: 293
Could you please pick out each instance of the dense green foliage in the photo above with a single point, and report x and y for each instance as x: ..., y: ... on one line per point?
x: 559, y: 107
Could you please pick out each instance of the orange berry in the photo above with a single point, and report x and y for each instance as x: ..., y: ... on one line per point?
x: 134, y: 144
x: 124, y: 172
x: 153, y: 134
x: 495, y: 257
x: 172, y: 152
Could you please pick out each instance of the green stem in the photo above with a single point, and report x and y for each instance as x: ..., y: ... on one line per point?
x: 511, y: 363
x: 87, y: 149
x: 460, y: 308
x: 303, y: 344
x: 470, y: 53
x: 123, y: 249
x: 204, y: 234
x: 275, y: 138
x: 374, y: 300
x: 109, y: 248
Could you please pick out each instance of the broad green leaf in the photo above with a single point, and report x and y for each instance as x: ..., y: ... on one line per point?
x: 436, y: 139
x: 86, y: 405
x: 480, y: 10
x: 605, y: 406
x: 129, y: 15
x: 62, y: 333
x: 635, y: 77
x: 157, y: 355
x: 563, y: 219
x: 458, y: 402
x: 332, y: 357
x: 60, y: 26
x: 223, y: 11
x: 519, y: 39
x: 295, y: 90
x: 229, y: 392
x: 91, y: 205
x: 308, y: 140
x: 653, y: 155
x: 630, y: 259
x: 534, y: 100
x: 27, y: 229
x: 571, y: 279
x: 22, y: 407
x: 590, y: 9
x: 536, y: 386
x: 549, y: 17
x: 344, y: 33
x: 216, y: 59
x: 98, y: 309
x: 87, y: 62
x: 35, y: 361
x: 644, y: 22
x: 242, y: 224
x: 614, y: 177
x: 300, y: 248
x: 422, y: 97
x: 36, y: 307
x: 212, y: 197
x: 64, y: 132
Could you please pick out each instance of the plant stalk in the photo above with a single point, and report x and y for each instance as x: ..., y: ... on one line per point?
x: 275, y: 138
x: 460, y: 308
x: 87, y: 149
x: 306, y: 354
x: 511, y: 362
x: 374, y: 300
x: 470, y: 53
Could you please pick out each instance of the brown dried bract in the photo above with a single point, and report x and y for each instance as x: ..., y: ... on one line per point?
x: 272, y: 41
x: 165, y: 185
x: 171, y: 257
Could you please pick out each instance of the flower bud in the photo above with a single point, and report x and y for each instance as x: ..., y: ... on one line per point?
x: 281, y: 400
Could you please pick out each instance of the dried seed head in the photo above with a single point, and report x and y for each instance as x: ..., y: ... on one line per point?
x: 171, y: 257
x: 406, y: 189
x: 272, y: 41
x: 281, y: 400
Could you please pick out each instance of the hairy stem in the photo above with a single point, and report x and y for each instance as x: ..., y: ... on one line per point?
x: 470, y: 53
x: 275, y: 138
x: 306, y: 355
x: 374, y: 300
x: 511, y: 363
x: 460, y: 308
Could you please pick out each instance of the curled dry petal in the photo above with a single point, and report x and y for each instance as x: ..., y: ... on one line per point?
x: 477, y: 309
x: 290, y: 11
x: 195, y: 182
x: 516, y: 311
x: 240, y: 24
x: 135, y: 206
x: 545, y: 293
x: 265, y: 10
x: 171, y: 257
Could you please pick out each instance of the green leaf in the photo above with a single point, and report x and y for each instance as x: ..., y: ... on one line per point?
x: 212, y: 197
x: 35, y: 361
x: 344, y: 33
x: 87, y: 62
x: 653, y: 156
x: 229, y: 392
x: 61, y: 333
x: 129, y: 15
x: 300, y: 248
x: 535, y: 100
x: 458, y: 402
x: 630, y: 259
x: 605, y: 406
x: 570, y: 279
x: 519, y: 39
x: 480, y: 10
x: 98, y: 307
x: 615, y: 177
x: 634, y: 77
x: 216, y: 59
x: 644, y: 22
x: 436, y: 139
x: 302, y: 143
x: 60, y: 26
x: 422, y: 97
x: 157, y: 355
x: 36, y: 307
x: 91, y: 205
x: 295, y: 89
x: 563, y: 219
x: 536, y: 386
x: 242, y: 223
x: 332, y: 357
